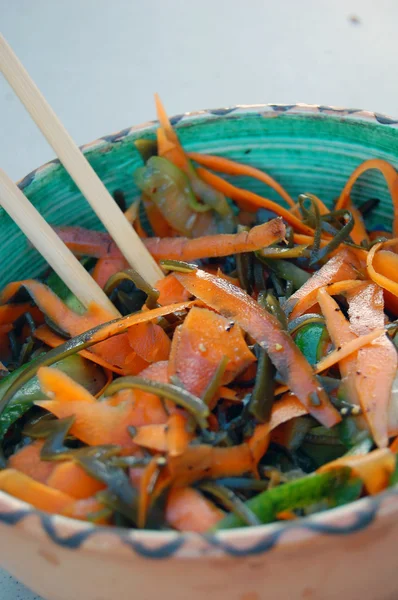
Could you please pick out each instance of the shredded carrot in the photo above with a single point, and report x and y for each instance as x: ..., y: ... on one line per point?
x: 358, y: 233
x: 149, y: 341
x: 69, y: 478
x: 390, y: 176
x: 27, y: 489
x: 158, y: 223
x: 168, y: 143
x: 188, y: 510
x: 106, y: 267
x: 341, y: 334
x: 377, y: 363
x: 146, y: 484
x: 152, y: 436
x: 375, y: 468
x: 250, y: 200
x: 230, y: 167
x: 177, y: 436
x: 180, y: 248
x: 341, y: 267
x: 27, y: 460
x: 340, y: 353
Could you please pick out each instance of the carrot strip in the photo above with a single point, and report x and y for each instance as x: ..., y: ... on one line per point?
x: 385, y: 278
x: 149, y: 341
x: 11, y: 312
x: 146, y: 484
x: 358, y: 233
x: 171, y: 290
x: 152, y: 436
x: 375, y: 468
x: 177, y: 436
x: 158, y: 223
x: 96, y: 423
x: 230, y: 167
x: 341, y: 334
x: 249, y: 200
x: 27, y: 460
x: 377, y: 363
x: 339, y: 354
x: 69, y: 478
x: 188, y: 510
x: 106, y: 267
x: 263, y: 327
x: 390, y: 176
x: 168, y: 143
x: 209, y: 246
x: 341, y: 267
x: 39, y: 495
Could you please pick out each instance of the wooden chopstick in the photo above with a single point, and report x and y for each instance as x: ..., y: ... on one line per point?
x: 77, y: 166
x: 50, y: 246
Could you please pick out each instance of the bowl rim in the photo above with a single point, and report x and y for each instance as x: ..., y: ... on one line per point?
x: 245, y: 541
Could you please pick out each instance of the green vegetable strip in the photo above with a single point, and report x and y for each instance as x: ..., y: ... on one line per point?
x: 262, y: 397
x: 289, y: 496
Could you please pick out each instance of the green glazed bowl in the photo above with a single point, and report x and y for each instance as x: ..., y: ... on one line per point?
x: 347, y: 552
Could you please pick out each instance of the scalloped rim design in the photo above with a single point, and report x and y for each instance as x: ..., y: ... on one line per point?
x: 72, y: 534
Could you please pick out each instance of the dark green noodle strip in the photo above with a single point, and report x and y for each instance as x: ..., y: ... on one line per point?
x: 231, y: 502
x: 313, y: 218
x: 277, y: 284
x: 139, y: 282
x: 244, y: 266
x: 258, y: 275
x: 310, y: 215
x: 341, y: 236
x: 178, y: 265
x: 302, y: 320
x: 244, y: 483
x: 262, y: 396
x: 276, y: 253
x: 56, y: 328
x: 288, y: 271
x: 368, y: 206
x: 215, y: 381
x: 126, y: 462
x: 270, y: 303
x: 181, y: 397
x: 295, y: 494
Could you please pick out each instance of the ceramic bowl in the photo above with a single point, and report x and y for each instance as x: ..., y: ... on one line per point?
x: 347, y: 552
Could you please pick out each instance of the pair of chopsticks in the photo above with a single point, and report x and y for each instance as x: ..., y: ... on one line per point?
x: 33, y: 225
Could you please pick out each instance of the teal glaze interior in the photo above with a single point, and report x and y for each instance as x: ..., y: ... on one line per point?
x: 305, y: 150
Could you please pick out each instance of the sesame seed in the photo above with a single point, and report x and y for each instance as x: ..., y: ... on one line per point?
x: 278, y: 347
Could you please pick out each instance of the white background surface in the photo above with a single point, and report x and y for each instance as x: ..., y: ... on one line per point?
x: 99, y: 62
